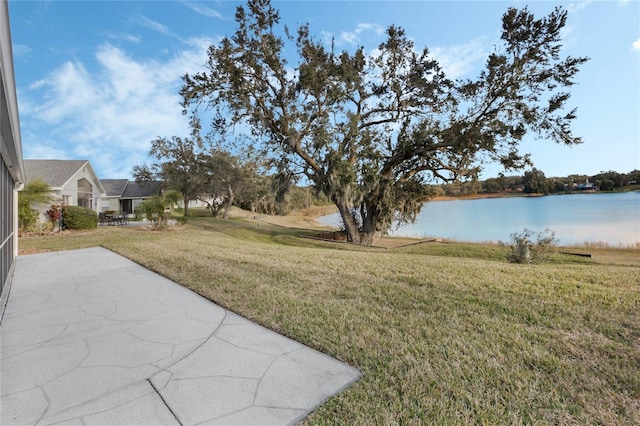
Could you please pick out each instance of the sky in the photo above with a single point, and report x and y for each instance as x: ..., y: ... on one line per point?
x: 99, y: 80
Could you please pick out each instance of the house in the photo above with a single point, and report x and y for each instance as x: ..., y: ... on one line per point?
x: 72, y: 182
x: 114, y: 189
x: 587, y: 186
x: 12, y: 175
x: 125, y: 196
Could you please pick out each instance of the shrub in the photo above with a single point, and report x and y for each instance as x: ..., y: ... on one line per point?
x: 53, y: 216
x: 34, y: 193
x: 153, y: 210
x: 182, y: 220
x: 28, y: 219
x: 523, y: 249
x: 76, y: 217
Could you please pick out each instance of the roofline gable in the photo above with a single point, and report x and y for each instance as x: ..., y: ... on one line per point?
x: 93, y: 175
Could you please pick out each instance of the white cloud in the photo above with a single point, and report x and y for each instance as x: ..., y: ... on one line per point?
x: 574, y: 7
x: 353, y: 37
x: 378, y: 29
x: 459, y: 60
x: 46, y: 152
x: 153, y: 25
x: 126, y: 37
x: 111, y: 114
x: 349, y: 38
x: 636, y: 44
x: 203, y: 10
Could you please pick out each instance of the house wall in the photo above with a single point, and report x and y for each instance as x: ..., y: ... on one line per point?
x: 8, y: 233
x: 118, y: 203
x: 69, y: 193
x: 11, y: 165
x: 110, y: 204
x: 135, y: 204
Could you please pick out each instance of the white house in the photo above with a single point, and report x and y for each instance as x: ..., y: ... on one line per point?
x: 72, y: 182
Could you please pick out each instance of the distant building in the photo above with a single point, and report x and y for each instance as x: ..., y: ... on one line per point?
x: 586, y: 186
x: 125, y: 196
x: 11, y: 165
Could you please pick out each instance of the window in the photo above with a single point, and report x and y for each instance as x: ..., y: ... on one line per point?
x: 85, y: 191
x: 126, y: 206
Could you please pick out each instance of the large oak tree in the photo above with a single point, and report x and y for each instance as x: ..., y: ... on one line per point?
x: 370, y: 129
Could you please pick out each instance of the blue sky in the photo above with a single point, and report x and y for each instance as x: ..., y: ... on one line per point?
x: 100, y: 80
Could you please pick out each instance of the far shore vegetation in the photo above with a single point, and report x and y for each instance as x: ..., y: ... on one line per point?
x: 534, y: 182
x: 443, y: 332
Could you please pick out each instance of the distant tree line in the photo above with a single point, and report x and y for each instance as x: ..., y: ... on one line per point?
x: 535, y: 182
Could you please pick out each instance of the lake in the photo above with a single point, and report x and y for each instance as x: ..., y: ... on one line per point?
x: 613, y: 218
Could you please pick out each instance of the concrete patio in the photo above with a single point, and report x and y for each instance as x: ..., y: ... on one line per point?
x: 89, y: 337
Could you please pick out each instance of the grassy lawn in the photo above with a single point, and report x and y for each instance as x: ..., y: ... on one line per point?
x: 443, y: 333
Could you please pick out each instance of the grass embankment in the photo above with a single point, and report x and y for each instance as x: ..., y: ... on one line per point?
x: 443, y: 333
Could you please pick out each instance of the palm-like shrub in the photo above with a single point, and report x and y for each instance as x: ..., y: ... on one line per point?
x: 34, y: 193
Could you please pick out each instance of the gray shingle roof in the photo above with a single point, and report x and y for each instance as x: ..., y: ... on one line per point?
x: 54, y: 173
x: 141, y: 189
x: 114, y: 187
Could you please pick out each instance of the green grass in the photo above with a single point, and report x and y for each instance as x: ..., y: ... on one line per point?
x: 443, y: 333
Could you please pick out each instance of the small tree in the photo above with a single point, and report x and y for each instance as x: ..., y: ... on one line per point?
x: 172, y: 198
x: 491, y: 185
x: 224, y: 178
x: 535, y: 182
x: 177, y: 167
x: 34, y: 193
x: 153, y: 210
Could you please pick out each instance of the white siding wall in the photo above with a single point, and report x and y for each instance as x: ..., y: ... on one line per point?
x: 11, y: 165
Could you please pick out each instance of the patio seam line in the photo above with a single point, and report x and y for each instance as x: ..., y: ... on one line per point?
x: 81, y: 417
x: 187, y: 355
x: 43, y: 415
x: 96, y: 398
x: 164, y: 402
x: 261, y: 378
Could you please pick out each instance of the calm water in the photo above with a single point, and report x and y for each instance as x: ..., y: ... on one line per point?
x: 576, y: 218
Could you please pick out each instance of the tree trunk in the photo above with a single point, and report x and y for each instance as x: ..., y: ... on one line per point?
x: 229, y: 204
x: 186, y: 206
x: 350, y: 225
x: 365, y: 234
x: 369, y: 225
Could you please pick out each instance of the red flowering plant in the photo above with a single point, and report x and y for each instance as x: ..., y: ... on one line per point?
x: 53, y: 215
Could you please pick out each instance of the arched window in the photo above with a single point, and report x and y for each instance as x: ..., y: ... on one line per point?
x: 85, y: 192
